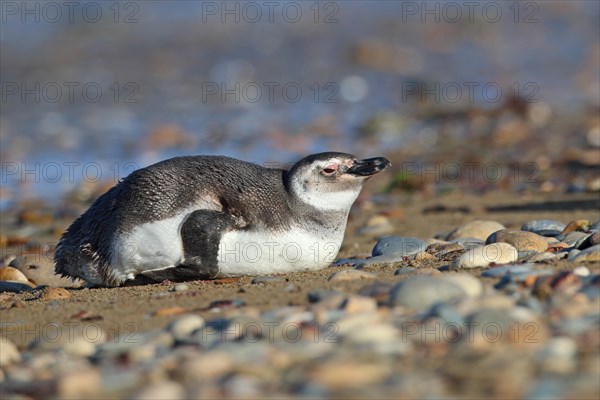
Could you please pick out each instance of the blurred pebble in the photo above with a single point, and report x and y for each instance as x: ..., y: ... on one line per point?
x: 12, y: 274
x: 167, y: 390
x: 397, y: 247
x: 478, y: 229
x: 590, y: 254
x: 544, y: 227
x: 470, y: 284
x: 422, y: 291
x: 350, y: 275
x: 55, y: 293
x: 79, y: 384
x: 180, y: 287
x: 268, y: 279
x: 469, y: 243
x: 424, y: 256
x: 183, y: 326
x: 40, y: 269
x: 498, y: 253
x: 15, y: 287
x: 581, y: 271
x: 359, y: 304
x: 520, y: 240
x: 9, y: 354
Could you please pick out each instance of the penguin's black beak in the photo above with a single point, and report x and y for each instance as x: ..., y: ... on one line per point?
x: 369, y: 166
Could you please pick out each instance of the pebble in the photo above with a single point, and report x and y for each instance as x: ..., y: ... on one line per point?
x: 74, y: 339
x: 55, y: 293
x: 348, y: 374
x: 268, y: 279
x: 499, y: 253
x: 79, y: 384
x: 422, y: 291
x: 183, y: 326
x: 520, y: 240
x: 9, y: 354
x: 590, y: 254
x: 424, y: 256
x: 180, y: 287
x: 478, y: 229
x: 397, y: 247
x: 12, y: 274
x: 168, y: 390
x: 544, y: 227
x: 351, y: 275
x: 39, y: 268
x: 358, y: 304
x: 469, y: 243
x: 470, y: 284
x: 15, y: 287
x: 540, y: 257
x: 512, y: 269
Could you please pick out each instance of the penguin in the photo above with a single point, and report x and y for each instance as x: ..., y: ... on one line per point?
x: 206, y: 217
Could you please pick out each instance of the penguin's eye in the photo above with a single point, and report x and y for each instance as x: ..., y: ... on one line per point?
x: 329, y: 169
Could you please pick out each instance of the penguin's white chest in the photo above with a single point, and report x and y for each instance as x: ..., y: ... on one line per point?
x: 258, y: 253
x: 157, y: 245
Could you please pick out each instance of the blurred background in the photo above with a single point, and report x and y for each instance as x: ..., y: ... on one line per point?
x: 93, y: 90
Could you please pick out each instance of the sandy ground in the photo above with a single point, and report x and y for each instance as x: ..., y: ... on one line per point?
x: 25, y: 317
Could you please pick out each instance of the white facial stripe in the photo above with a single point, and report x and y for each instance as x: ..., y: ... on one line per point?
x: 324, y: 200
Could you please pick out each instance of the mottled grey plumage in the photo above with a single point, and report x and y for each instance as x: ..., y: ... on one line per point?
x: 253, y: 198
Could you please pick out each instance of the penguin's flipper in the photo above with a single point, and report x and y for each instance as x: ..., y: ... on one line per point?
x: 200, y: 233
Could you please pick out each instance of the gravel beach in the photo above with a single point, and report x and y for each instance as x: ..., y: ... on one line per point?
x: 387, y: 323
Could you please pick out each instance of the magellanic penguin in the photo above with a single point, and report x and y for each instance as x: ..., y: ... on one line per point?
x: 202, y: 217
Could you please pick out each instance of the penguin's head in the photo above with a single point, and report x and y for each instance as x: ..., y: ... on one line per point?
x: 332, y: 181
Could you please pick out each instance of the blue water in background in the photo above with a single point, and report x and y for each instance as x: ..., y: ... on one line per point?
x: 170, y: 51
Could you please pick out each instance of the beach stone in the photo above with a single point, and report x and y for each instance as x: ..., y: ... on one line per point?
x: 398, y: 247
x: 520, y: 240
x: 40, y: 269
x: 544, y: 227
x: 267, y: 279
x: 424, y: 256
x: 9, y: 354
x: 595, y: 239
x: 575, y: 238
x: 558, y: 355
x: 77, y: 340
x: 358, y: 304
x: 167, y: 390
x: 183, y: 326
x: 180, y: 287
x: 467, y: 282
x: 351, y: 275
x: 478, y: 229
x: 79, y: 383
x: 420, y: 292
x: 579, y: 225
x: 342, y: 374
x: 498, y: 253
x: 15, y: 287
x: 595, y: 227
x: 12, y: 274
x: 55, y: 293
x: 540, y: 257
x: 469, y: 243
x: 207, y: 366
x: 590, y: 254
